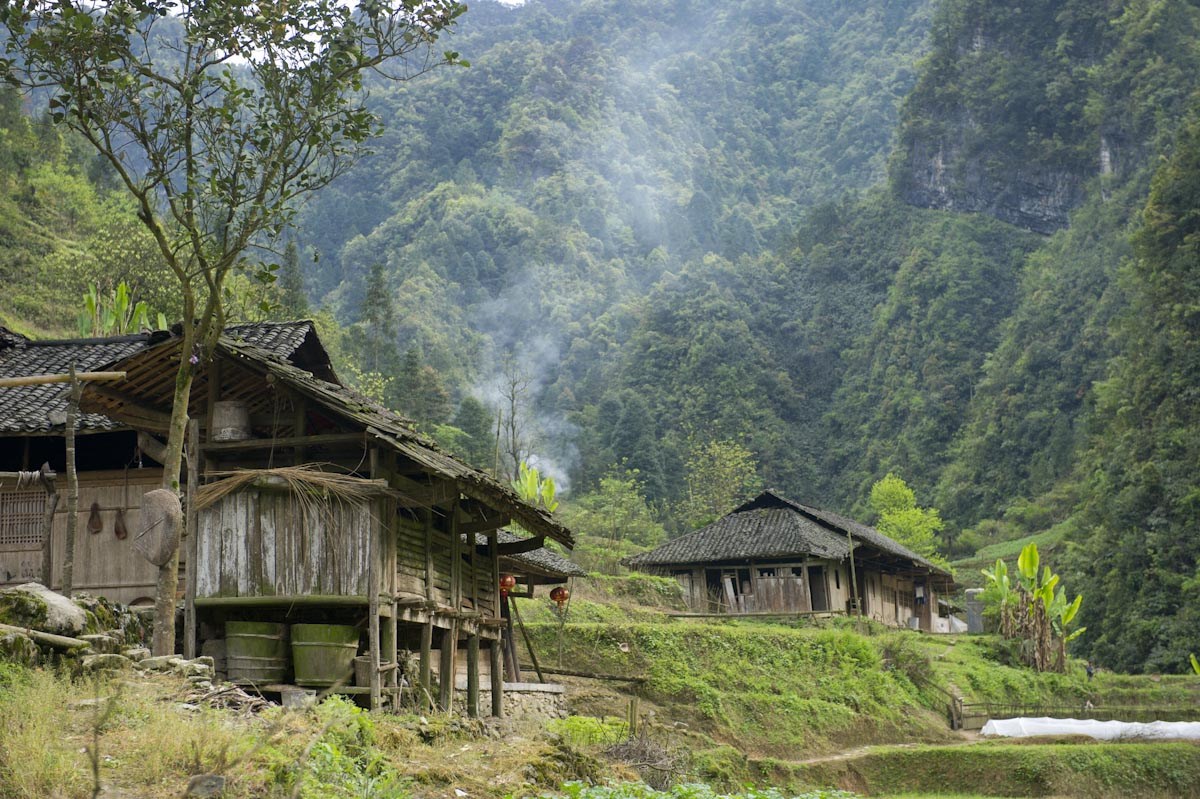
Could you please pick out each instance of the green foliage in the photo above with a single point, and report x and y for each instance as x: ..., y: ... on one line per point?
x: 1141, y: 511
x: 535, y: 489
x: 1071, y: 770
x: 1028, y: 608
x: 720, y: 474
x: 344, y: 761
x: 612, y: 522
x: 116, y: 314
x: 899, y: 518
x: 771, y: 688
x: 582, y: 731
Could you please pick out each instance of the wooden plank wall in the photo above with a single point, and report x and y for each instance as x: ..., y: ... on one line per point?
x: 264, y: 543
x: 104, y: 564
x: 410, y: 568
x: 781, y: 593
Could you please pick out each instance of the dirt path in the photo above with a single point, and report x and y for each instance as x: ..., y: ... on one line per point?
x: 849, y: 754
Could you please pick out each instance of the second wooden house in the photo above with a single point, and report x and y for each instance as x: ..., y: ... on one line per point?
x: 772, y: 555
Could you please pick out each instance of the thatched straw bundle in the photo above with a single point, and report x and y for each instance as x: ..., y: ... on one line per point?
x: 308, y: 483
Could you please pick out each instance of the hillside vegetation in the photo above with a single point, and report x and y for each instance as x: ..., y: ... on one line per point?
x: 815, y: 242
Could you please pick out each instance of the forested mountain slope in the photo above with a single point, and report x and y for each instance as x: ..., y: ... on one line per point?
x: 595, y: 154
x: 832, y: 240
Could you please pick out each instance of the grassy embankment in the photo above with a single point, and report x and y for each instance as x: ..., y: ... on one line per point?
x: 751, y: 700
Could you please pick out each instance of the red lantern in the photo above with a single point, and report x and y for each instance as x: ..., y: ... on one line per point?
x: 507, y: 583
x: 560, y: 595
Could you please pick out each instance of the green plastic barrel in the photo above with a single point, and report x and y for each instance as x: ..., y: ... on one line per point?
x: 256, y: 651
x: 323, y: 654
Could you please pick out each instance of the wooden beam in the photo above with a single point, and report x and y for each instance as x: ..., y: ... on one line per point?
x: 484, y: 525
x: 415, y: 495
x: 132, y: 411
x: 524, y: 545
x: 155, y: 448
x: 326, y: 439
x: 38, y: 380
x: 496, y: 664
x: 473, y: 676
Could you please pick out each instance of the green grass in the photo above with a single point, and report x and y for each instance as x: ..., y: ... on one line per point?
x: 967, y: 570
x: 1092, y: 770
x: 769, y: 689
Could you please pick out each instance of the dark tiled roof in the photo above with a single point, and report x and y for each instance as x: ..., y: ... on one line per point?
x: 542, y: 562
x: 772, y: 526
x: 761, y: 532
x: 279, y: 338
x: 42, y: 408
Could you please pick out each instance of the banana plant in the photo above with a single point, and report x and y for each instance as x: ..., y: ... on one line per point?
x: 116, y: 314
x: 532, y: 487
x: 1002, y: 593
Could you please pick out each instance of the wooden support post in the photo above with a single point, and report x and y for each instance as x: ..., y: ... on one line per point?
x: 537, y: 667
x: 854, y: 597
x: 391, y: 649
x: 496, y: 664
x: 189, y: 531
x: 425, y: 678
x: 446, y: 667
x: 426, y: 667
x: 48, y: 526
x: 72, y: 488
x: 373, y: 556
x: 473, y: 675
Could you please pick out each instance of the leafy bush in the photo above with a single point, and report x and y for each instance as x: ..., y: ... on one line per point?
x: 589, y: 731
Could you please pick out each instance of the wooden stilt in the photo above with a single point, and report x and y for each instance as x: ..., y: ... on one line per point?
x: 495, y: 661
x: 473, y: 676
x: 425, y: 677
x: 446, y: 668
x: 426, y: 667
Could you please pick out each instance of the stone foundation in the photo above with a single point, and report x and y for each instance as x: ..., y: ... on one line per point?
x: 522, y: 700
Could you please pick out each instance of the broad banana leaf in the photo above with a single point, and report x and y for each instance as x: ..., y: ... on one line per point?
x: 1069, y: 612
x: 1027, y: 562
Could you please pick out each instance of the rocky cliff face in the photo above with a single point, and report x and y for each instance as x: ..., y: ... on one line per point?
x: 998, y: 122
x: 940, y: 174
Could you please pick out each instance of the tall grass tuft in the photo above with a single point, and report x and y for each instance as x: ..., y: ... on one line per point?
x: 37, y: 760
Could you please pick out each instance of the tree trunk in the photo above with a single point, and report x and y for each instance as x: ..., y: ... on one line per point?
x: 163, y: 642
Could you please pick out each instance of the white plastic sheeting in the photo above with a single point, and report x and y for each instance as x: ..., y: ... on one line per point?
x: 1102, y: 730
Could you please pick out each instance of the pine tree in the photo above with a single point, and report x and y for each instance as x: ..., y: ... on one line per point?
x: 293, y: 304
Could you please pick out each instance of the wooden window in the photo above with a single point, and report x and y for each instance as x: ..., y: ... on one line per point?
x: 21, y: 516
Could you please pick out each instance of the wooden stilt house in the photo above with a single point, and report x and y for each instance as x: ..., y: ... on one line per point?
x: 315, y: 506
